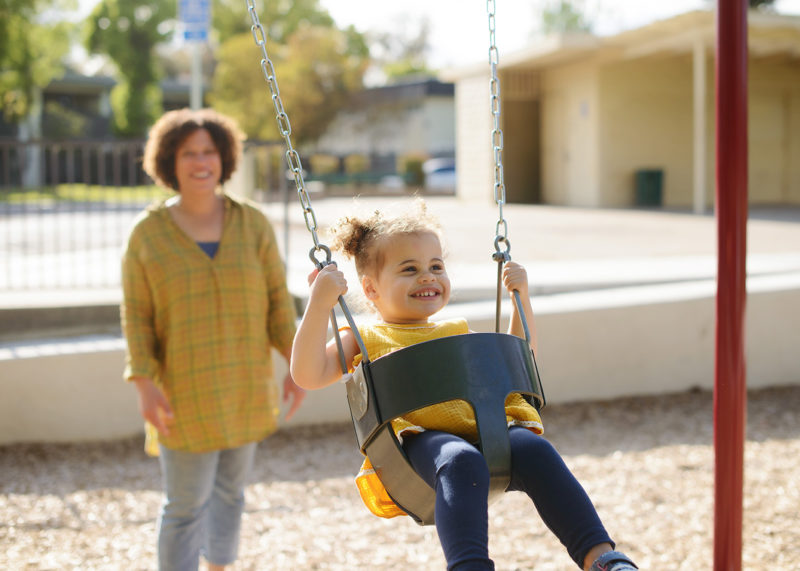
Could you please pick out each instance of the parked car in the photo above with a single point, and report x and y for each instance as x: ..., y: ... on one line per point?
x: 440, y: 174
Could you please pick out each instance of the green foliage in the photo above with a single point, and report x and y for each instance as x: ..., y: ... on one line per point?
x: 83, y: 193
x: 561, y: 16
x: 135, y: 109
x: 403, y: 53
x: 128, y: 33
x: 403, y: 69
x: 316, y: 71
x: 323, y: 164
x: 765, y: 5
x: 354, y: 164
x: 30, y: 52
x: 410, y: 166
x: 239, y: 88
x: 280, y: 18
x: 62, y: 123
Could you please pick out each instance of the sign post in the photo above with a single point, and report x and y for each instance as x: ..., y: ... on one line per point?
x: 195, y: 15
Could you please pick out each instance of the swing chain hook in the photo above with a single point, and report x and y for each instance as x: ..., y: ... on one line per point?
x: 502, y: 255
x: 320, y: 263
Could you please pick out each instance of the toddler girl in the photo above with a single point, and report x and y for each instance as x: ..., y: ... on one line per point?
x: 401, y: 267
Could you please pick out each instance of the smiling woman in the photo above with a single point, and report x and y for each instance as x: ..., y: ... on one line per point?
x: 204, y: 299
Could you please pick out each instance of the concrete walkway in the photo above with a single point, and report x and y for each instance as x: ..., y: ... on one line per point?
x: 563, y: 248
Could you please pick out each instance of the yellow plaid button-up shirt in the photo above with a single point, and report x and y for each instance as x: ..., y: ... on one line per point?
x: 203, y: 328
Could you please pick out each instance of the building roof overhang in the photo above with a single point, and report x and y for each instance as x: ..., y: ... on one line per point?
x: 769, y: 35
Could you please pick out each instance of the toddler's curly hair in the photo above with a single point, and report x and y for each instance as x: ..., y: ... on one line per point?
x: 362, y: 237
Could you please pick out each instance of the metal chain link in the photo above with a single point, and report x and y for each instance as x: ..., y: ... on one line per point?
x: 501, y: 229
x: 296, y: 167
x: 285, y: 128
x: 293, y: 158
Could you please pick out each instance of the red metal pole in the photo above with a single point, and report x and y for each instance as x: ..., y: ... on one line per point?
x: 730, y: 392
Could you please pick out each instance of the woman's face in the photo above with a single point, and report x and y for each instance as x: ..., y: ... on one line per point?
x: 198, y: 165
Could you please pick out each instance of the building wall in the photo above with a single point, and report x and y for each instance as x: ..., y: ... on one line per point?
x: 424, y: 126
x: 368, y: 131
x: 569, y: 140
x: 521, y: 124
x: 646, y: 122
x: 646, y: 117
x: 439, y: 126
x: 474, y: 160
x: 774, y: 132
x: 602, y: 121
x: 655, y: 340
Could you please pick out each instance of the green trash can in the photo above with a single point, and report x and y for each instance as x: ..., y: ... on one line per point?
x: 649, y: 183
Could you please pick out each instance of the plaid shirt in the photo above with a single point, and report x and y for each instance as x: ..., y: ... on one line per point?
x: 202, y: 328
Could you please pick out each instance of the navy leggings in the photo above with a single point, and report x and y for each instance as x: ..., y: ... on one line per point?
x: 460, y: 476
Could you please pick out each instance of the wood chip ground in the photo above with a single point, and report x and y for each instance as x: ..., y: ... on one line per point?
x: 647, y: 463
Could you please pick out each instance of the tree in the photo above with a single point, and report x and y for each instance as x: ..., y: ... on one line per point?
x: 764, y: 5
x: 402, y: 53
x: 128, y: 33
x: 316, y: 70
x: 560, y: 16
x: 280, y: 19
x: 31, y: 52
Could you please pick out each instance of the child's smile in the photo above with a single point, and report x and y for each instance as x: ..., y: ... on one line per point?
x: 412, y: 283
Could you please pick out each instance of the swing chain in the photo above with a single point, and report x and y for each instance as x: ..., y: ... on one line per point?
x: 296, y: 167
x: 501, y: 229
x: 285, y: 128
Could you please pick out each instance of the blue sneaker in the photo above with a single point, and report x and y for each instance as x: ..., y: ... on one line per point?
x: 613, y: 561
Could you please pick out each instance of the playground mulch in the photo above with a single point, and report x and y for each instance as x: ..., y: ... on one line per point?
x: 648, y: 464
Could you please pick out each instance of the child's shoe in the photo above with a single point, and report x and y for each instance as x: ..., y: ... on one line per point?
x: 613, y: 561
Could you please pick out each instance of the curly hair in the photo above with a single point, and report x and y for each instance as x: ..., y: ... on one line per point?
x: 172, y: 129
x: 362, y: 238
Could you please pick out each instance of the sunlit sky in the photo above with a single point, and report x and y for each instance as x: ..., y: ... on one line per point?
x: 459, y: 28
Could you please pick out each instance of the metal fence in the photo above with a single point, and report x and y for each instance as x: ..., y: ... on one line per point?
x: 66, y: 208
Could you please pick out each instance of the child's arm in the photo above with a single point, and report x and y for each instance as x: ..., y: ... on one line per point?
x: 516, y: 278
x: 313, y: 364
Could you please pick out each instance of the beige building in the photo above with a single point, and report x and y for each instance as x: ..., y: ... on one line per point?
x: 629, y: 119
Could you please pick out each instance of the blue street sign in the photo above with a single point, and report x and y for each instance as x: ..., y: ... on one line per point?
x: 194, y: 11
x: 195, y: 15
x: 195, y: 34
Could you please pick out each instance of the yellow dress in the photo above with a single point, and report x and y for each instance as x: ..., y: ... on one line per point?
x: 455, y: 417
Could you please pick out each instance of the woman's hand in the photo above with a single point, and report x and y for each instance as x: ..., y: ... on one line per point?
x: 293, y: 393
x: 154, y: 406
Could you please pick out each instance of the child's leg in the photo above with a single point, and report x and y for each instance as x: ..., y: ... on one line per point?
x: 538, y: 470
x: 459, y: 474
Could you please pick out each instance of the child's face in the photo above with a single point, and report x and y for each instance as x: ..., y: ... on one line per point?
x: 412, y: 284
